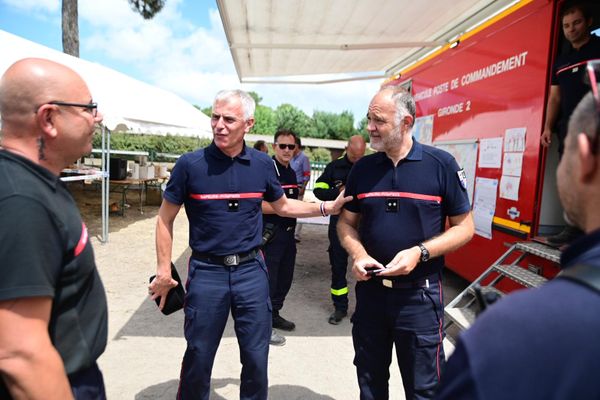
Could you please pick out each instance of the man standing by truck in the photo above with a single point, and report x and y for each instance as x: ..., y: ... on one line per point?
x: 568, y: 86
x: 328, y: 187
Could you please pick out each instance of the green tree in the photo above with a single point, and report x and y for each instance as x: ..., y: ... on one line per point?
x: 70, y: 20
x: 362, y: 128
x: 265, y: 122
x: 256, y: 97
x: 205, y: 110
x: 333, y: 126
x: 290, y: 117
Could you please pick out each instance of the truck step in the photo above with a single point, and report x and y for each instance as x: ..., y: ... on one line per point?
x: 540, y: 250
x: 521, y: 275
x: 461, y: 316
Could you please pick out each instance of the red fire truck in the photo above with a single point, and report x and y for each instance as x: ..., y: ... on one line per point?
x: 483, y: 97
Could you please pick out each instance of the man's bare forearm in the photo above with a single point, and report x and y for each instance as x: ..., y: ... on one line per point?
x: 350, y: 240
x: 453, y: 238
x: 36, y: 376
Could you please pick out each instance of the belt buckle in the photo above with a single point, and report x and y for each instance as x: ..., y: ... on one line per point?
x: 387, y: 283
x: 231, y: 260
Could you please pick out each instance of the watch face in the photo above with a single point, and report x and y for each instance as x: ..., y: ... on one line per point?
x: 424, y: 253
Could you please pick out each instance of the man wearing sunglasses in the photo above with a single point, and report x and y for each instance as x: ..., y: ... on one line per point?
x: 53, y: 312
x: 569, y: 86
x: 222, y: 188
x: 543, y: 343
x: 280, y: 251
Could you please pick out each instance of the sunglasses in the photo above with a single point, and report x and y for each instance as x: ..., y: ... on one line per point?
x: 283, y: 146
x: 593, y: 70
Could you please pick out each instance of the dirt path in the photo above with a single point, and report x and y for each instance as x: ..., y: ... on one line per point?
x: 145, y: 348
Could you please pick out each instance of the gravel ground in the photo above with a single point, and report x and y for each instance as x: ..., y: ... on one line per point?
x: 145, y: 348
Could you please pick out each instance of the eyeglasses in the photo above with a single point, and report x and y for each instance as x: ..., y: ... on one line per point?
x: 283, y: 146
x: 593, y: 69
x: 92, y: 108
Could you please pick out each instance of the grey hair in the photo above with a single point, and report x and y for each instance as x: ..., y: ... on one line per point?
x: 248, y: 104
x: 405, y: 104
x: 584, y: 119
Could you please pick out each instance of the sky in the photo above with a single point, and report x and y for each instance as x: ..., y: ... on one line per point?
x: 183, y: 50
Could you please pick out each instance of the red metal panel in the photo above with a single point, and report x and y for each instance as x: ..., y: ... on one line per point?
x: 486, y: 107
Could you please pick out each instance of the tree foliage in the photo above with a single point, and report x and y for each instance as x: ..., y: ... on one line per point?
x: 290, y: 117
x: 333, y: 126
x: 265, y: 122
x: 147, y: 8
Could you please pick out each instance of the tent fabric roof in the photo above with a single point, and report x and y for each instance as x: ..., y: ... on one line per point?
x: 367, y: 38
x: 141, y: 107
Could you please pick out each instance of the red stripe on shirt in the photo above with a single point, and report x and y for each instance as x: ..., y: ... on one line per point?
x: 306, y: 173
x: 289, y: 186
x: 226, y: 196
x: 568, y: 67
x: 82, y: 240
x: 407, y: 195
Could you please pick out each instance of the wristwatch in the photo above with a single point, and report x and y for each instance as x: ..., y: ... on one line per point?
x: 424, y: 253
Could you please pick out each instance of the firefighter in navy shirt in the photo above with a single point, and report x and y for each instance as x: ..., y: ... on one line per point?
x: 569, y: 86
x: 394, y: 231
x: 222, y: 188
x: 280, y: 250
x: 328, y: 187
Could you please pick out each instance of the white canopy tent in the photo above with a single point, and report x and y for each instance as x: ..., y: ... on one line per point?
x: 272, y: 40
x: 141, y: 107
x: 132, y: 105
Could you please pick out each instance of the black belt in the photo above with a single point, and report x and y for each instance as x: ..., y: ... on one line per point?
x: 228, y: 260
x: 421, y: 283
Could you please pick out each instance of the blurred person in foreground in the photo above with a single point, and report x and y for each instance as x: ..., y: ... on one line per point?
x: 395, y: 231
x: 222, y: 187
x: 327, y: 187
x: 543, y: 343
x: 53, y: 312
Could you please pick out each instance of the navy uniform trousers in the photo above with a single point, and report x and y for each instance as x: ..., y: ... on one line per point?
x: 212, y: 292
x: 280, y: 256
x: 338, y: 258
x: 411, y: 319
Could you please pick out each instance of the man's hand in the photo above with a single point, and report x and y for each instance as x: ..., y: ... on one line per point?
x: 335, y: 207
x: 360, y: 266
x: 546, y: 137
x: 160, y: 286
x: 404, y: 262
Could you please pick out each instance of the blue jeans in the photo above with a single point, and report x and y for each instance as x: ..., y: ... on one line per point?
x: 212, y: 292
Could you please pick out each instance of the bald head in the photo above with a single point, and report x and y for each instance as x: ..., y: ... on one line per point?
x: 47, y: 113
x: 29, y: 83
x: 356, y: 148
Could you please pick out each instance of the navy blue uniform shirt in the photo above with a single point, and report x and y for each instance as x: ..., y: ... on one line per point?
x: 334, y: 176
x: 569, y: 74
x: 405, y: 205
x: 287, y: 178
x: 533, y: 344
x: 222, y: 197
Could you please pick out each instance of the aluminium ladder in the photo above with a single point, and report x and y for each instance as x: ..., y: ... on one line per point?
x: 463, y: 309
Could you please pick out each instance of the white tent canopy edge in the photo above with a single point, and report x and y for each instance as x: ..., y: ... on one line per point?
x: 123, y: 100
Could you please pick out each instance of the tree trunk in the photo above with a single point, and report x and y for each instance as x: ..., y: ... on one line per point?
x: 70, y: 27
